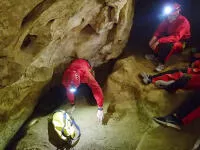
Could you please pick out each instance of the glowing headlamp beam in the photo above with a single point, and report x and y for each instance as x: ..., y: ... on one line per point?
x: 167, y: 10
x: 72, y: 90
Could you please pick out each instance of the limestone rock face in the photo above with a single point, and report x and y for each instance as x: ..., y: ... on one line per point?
x: 38, y: 36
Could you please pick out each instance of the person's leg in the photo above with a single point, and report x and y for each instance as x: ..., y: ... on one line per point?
x: 95, y: 89
x: 163, y: 84
x: 170, y: 50
x: 153, y: 56
x: 178, y: 84
x: 169, y: 121
x: 189, y: 110
x: 165, y: 50
x: 183, y: 70
x: 187, y: 107
x: 173, y: 74
x: 192, y: 116
x: 184, y: 114
x: 175, y: 119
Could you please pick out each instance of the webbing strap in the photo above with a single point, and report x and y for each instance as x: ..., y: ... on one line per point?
x: 64, y: 120
x: 73, y: 123
x: 77, y: 127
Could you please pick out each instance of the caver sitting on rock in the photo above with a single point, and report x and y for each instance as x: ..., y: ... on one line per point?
x: 170, y: 37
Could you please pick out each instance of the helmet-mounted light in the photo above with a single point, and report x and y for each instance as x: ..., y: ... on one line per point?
x: 168, y: 10
x: 72, y: 89
x: 171, y: 8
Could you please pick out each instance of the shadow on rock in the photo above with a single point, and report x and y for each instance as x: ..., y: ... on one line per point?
x: 47, y: 104
x: 111, y: 109
x: 50, y: 101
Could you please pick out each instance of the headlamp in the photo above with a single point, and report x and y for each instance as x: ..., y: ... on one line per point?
x: 168, y: 10
x: 72, y: 89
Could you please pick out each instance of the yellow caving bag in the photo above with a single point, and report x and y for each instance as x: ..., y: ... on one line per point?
x: 65, y: 126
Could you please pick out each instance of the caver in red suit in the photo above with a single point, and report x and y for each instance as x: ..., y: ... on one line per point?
x: 170, y: 37
x: 79, y: 72
x: 176, y: 33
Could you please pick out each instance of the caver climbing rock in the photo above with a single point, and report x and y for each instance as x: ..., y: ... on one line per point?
x: 80, y: 71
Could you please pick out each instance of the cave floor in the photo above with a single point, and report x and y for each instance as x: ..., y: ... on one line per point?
x: 125, y: 129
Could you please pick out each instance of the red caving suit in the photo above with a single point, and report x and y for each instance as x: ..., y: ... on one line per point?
x: 194, y: 82
x: 176, y: 31
x: 191, y: 116
x: 79, y: 72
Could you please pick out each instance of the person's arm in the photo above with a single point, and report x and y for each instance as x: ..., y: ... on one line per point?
x: 152, y: 41
x: 177, y: 35
x: 96, y: 90
x: 98, y: 95
x: 154, y: 46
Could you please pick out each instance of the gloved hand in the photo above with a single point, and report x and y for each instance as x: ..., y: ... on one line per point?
x: 100, y: 115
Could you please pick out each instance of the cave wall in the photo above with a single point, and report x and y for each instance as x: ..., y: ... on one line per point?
x: 41, y: 35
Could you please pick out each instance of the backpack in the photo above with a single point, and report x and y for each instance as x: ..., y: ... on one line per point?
x: 65, y: 127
